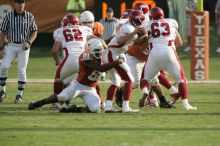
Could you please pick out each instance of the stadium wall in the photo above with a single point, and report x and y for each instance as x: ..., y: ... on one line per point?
x: 49, y: 13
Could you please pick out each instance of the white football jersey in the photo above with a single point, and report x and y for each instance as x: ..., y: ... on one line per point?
x: 146, y: 16
x: 73, y: 38
x: 55, y: 33
x: 162, y: 32
x: 121, y: 22
x: 127, y: 28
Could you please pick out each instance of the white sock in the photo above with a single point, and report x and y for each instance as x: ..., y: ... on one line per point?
x: 125, y: 104
x: 173, y: 90
x: 185, y: 102
x: 145, y: 91
x: 108, y: 104
x: 20, y: 92
x: 3, y: 88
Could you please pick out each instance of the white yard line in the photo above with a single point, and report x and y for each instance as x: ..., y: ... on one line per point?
x: 49, y: 81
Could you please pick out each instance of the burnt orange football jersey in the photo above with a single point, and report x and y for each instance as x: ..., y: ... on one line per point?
x: 139, y: 52
x: 86, y: 76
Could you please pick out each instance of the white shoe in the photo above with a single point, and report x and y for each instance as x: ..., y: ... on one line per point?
x: 129, y: 110
x: 218, y: 50
x: 110, y: 109
x: 189, y: 107
x: 113, y: 110
x: 186, y: 49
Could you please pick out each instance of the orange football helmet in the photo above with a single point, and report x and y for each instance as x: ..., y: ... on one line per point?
x: 98, y: 29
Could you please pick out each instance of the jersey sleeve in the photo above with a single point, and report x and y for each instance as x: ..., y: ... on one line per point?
x: 33, y: 24
x: 5, y: 24
x: 87, y: 31
x: 175, y: 24
x: 124, y: 30
x: 57, y: 35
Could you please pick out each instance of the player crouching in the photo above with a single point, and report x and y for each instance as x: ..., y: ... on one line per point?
x: 86, y: 82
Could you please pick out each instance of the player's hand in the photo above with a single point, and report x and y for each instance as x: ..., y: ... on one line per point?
x: 2, y: 54
x: 141, y: 31
x: 26, y: 46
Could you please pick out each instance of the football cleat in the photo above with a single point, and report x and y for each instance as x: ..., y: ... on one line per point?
x: 166, y: 105
x: 31, y: 106
x: 2, y: 95
x: 113, y: 110
x: 18, y: 99
x: 72, y: 109
x: 189, y: 107
x: 129, y: 110
x: 109, y: 109
x: 142, y: 100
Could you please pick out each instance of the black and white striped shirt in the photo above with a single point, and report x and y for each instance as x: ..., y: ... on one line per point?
x: 109, y: 28
x: 18, y: 27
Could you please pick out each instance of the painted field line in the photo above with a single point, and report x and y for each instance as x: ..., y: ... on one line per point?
x: 50, y: 81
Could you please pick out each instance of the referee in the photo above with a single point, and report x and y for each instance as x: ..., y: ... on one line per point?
x: 109, y: 24
x: 20, y: 29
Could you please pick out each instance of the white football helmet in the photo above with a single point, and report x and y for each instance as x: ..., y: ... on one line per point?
x: 95, y: 47
x: 87, y: 19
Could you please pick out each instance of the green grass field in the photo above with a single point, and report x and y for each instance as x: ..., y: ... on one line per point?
x: 149, y: 127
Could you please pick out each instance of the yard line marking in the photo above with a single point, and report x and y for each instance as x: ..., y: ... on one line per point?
x: 49, y: 81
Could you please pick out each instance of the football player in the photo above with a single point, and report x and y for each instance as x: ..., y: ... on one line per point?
x: 163, y: 40
x: 98, y: 31
x: 87, y: 19
x: 136, y: 57
x: 116, y: 48
x: 86, y: 82
x: 144, y: 8
x: 123, y: 19
x: 72, y: 38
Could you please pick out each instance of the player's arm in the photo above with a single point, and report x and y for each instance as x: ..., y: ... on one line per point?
x: 93, y: 65
x: 141, y: 40
x: 31, y: 39
x: 2, y: 39
x: 121, y: 39
x: 4, y: 26
x: 55, y: 52
x: 105, y: 46
x: 178, y: 40
x: 98, y: 90
x: 2, y: 43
